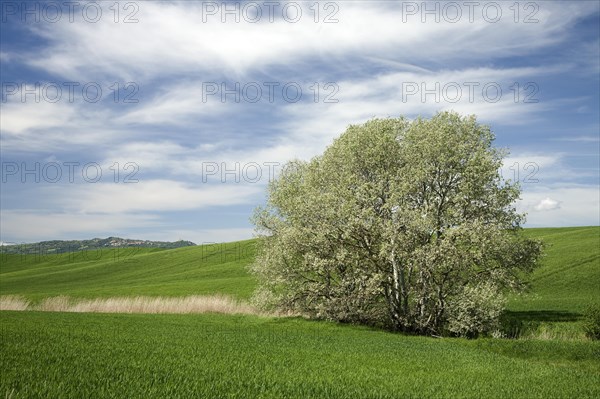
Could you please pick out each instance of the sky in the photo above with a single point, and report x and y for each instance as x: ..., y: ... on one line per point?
x: 166, y: 120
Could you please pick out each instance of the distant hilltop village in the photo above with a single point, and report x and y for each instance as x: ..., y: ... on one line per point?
x: 58, y: 246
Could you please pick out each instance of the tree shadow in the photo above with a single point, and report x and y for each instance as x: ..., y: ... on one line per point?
x: 515, y: 324
x: 542, y: 315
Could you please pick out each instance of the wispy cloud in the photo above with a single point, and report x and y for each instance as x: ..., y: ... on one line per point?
x: 150, y: 195
x: 173, y: 38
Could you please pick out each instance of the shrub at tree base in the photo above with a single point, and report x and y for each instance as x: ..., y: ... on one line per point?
x: 476, y: 310
x: 407, y: 225
x: 591, y: 322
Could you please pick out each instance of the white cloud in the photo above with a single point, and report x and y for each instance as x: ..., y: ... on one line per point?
x: 19, y: 117
x: 564, y: 205
x: 547, y: 204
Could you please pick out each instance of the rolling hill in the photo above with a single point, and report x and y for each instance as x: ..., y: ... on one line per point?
x: 206, y: 269
x: 569, y: 276
x: 567, y: 280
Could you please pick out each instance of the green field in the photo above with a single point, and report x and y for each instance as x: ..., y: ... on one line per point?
x: 566, y: 283
x: 46, y: 354
x: 569, y: 278
x: 157, y: 356
x: 208, y: 269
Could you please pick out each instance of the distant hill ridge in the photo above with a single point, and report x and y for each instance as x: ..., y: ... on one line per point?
x: 59, y: 246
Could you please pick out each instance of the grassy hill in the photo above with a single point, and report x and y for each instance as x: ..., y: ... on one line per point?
x: 569, y: 277
x: 206, y: 269
x: 567, y: 281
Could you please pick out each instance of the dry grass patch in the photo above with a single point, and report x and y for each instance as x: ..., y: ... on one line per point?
x: 140, y: 304
x: 13, y: 302
x: 181, y: 305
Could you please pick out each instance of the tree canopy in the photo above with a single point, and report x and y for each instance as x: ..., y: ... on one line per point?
x: 403, y: 224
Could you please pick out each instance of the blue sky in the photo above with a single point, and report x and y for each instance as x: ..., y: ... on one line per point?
x: 201, y: 102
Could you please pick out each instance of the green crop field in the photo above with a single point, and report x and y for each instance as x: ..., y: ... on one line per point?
x: 569, y: 278
x: 74, y: 355
x: 566, y: 283
x: 223, y: 356
x: 208, y: 269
